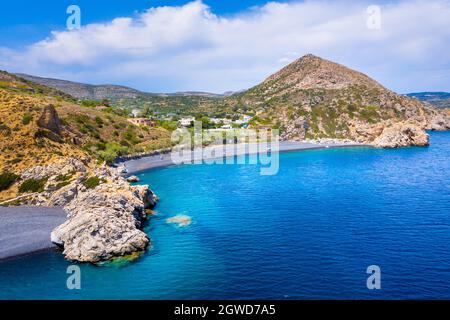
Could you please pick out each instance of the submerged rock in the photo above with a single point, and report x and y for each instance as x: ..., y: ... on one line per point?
x: 180, y: 220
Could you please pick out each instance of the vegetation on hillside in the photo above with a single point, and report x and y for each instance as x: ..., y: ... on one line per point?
x: 40, y: 125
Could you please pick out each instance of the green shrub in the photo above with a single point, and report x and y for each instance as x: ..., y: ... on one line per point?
x: 112, y: 151
x: 92, y: 182
x: 27, y: 118
x: 62, y: 184
x: 7, y: 179
x: 33, y: 185
x: 61, y: 177
x: 16, y: 160
x: 99, y: 121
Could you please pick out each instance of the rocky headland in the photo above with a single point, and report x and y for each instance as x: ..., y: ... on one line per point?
x: 105, y: 214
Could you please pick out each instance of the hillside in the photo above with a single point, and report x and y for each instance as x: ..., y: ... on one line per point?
x: 310, y: 98
x: 438, y: 99
x: 109, y: 91
x: 42, y: 126
x: 316, y: 98
x: 85, y: 91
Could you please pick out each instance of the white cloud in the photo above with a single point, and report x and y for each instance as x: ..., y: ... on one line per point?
x: 190, y: 48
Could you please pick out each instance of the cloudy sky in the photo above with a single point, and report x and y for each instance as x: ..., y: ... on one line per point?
x: 222, y: 45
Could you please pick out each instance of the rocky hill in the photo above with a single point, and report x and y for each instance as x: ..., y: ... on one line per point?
x: 316, y: 98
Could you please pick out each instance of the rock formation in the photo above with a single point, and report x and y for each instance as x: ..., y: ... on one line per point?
x: 133, y: 179
x: 401, y: 135
x: 104, y: 222
x: 180, y: 220
x: 50, y: 125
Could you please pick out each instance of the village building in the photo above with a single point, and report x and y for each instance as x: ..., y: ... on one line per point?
x: 186, y: 122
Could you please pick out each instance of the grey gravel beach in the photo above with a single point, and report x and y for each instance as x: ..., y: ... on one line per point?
x: 144, y: 163
x: 27, y: 229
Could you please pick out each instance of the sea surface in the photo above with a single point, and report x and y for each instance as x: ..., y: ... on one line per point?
x: 309, y: 232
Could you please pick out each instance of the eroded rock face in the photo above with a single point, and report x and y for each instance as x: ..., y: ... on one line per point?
x: 439, y: 122
x: 402, y: 134
x: 49, y: 120
x: 105, y: 222
x: 67, y: 167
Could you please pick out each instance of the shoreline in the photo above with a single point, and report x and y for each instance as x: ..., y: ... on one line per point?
x: 25, y: 230
x: 162, y: 160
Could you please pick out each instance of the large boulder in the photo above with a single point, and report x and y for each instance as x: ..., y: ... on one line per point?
x: 402, y: 134
x: 49, y: 125
x: 105, y: 222
x: 49, y: 120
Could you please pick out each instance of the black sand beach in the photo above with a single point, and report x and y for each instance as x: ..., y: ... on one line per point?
x: 27, y: 229
x: 139, y: 165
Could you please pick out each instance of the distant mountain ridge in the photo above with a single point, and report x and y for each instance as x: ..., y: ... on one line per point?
x: 107, y: 91
x: 437, y: 99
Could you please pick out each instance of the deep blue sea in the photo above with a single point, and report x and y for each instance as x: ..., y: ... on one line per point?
x: 308, y: 232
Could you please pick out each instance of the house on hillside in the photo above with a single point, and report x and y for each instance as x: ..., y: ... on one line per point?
x: 186, y: 122
x: 135, y: 113
x: 101, y: 108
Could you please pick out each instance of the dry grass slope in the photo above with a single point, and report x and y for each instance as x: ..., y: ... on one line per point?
x: 41, y: 126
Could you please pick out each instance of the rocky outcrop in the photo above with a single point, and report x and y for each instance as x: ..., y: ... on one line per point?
x: 440, y: 121
x: 105, y: 222
x: 133, y: 179
x: 104, y: 219
x: 66, y: 194
x: 402, y: 135
x: 49, y: 125
x: 66, y: 167
x: 50, y: 120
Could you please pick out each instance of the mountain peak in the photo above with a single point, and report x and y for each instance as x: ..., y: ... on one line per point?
x: 313, y: 72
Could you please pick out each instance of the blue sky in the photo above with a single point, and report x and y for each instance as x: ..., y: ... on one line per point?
x: 23, y: 22
x: 222, y: 45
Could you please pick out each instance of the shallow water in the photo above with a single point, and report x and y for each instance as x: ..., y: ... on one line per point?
x: 308, y: 232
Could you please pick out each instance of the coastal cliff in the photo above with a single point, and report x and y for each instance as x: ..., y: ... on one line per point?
x: 104, y: 222
x: 105, y: 214
x: 52, y: 150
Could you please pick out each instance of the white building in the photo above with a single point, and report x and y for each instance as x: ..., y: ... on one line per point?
x: 245, y: 119
x: 220, y: 120
x: 186, y: 122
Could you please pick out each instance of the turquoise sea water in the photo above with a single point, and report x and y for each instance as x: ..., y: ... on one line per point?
x: 308, y: 232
